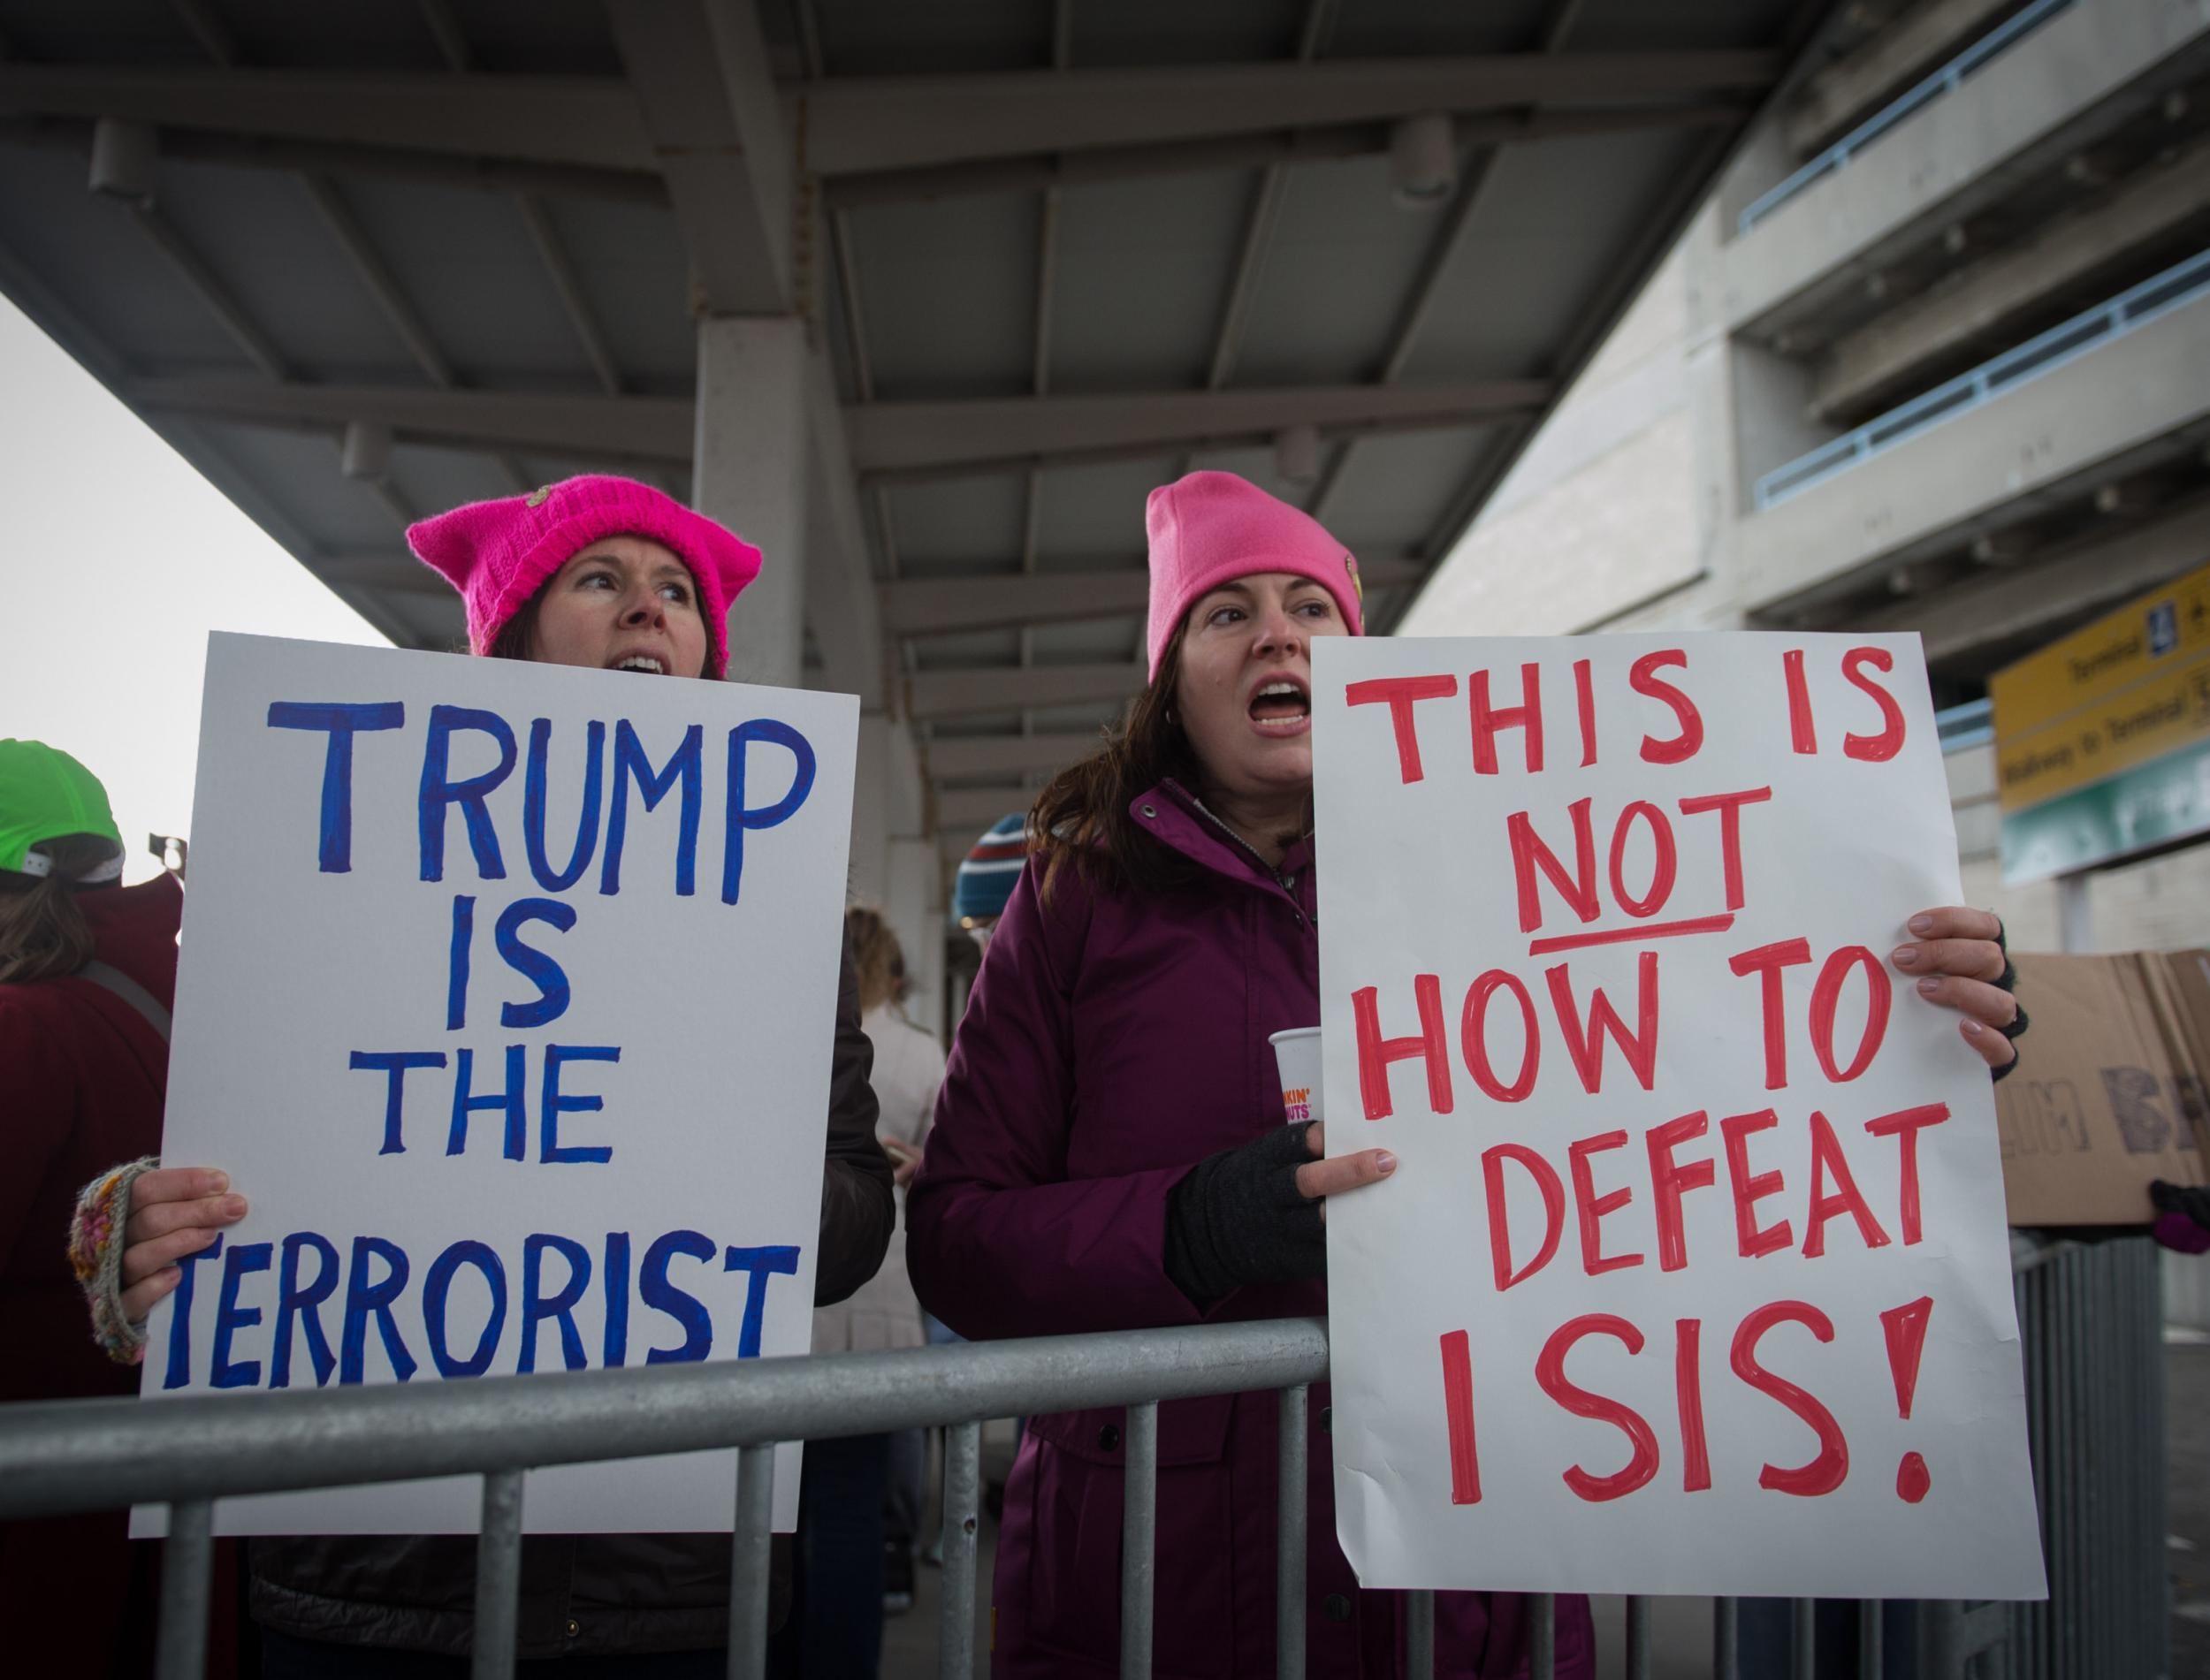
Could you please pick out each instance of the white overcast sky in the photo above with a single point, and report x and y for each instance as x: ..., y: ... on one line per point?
x: 118, y: 559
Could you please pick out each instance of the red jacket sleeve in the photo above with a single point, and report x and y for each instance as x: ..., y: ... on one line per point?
x: 1000, y: 1242
x: 41, y: 1113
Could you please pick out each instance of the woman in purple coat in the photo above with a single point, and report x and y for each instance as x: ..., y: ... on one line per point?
x: 1108, y: 1151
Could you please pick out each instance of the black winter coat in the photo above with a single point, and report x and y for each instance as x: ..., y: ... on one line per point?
x: 590, y: 1593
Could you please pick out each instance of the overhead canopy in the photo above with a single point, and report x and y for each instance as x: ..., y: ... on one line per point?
x: 361, y: 261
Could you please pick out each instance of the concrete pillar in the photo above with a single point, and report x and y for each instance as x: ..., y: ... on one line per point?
x: 1774, y: 423
x: 870, y: 871
x: 749, y: 471
x: 915, y: 907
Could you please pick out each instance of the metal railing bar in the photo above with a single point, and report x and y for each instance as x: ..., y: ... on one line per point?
x: 2045, y: 353
x: 1541, y: 1637
x: 1289, y: 1550
x: 1804, y: 1640
x: 1419, y: 1635
x: 749, y: 1561
x: 498, y: 1576
x: 60, y: 1457
x: 1945, y: 80
x: 1638, y: 1633
x: 187, y: 1571
x: 1726, y: 1639
x: 1868, y: 1636
x: 1970, y: 725
x: 1138, y: 1524
x: 963, y: 1495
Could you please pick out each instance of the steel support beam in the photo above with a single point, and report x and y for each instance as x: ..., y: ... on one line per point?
x: 614, y: 429
x: 913, y: 439
x: 462, y: 172
x: 951, y: 694
x: 592, y: 121
x: 196, y: 273
x: 1265, y: 149
x: 841, y: 608
x: 861, y: 126
x: 963, y: 810
x: 396, y: 572
x: 375, y: 274
x: 918, y: 439
x: 568, y: 287
x: 932, y: 606
x: 1442, y: 251
x: 700, y: 68
x: 1006, y: 755
x: 861, y: 123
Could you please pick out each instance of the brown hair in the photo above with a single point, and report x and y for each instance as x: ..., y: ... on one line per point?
x: 878, y: 956
x: 1082, y: 817
x: 42, y: 932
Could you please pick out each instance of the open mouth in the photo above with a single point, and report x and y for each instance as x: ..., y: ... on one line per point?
x: 647, y: 663
x: 1281, y: 706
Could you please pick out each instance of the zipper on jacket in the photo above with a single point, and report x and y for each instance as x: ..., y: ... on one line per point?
x: 1250, y: 851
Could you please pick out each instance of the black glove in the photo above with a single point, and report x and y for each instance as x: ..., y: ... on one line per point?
x: 2008, y: 981
x: 1236, y: 1217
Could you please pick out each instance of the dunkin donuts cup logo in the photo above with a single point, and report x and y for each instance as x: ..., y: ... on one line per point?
x: 1297, y: 1058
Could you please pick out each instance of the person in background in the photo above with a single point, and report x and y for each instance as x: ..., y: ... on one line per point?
x: 980, y: 887
x: 1110, y: 1151
x: 87, y: 967
x: 908, y: 1068
x: 859, y: 1499
x: 984, y: 878
x: 607, y: 574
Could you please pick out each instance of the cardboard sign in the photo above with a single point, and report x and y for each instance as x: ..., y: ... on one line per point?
x: 506, y: 997
x: 1693, y: 1277
x: 2111, y: 1093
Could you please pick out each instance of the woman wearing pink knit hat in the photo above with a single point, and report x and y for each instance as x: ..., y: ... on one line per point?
x: 610, y: 573
x: 1110, y: 1151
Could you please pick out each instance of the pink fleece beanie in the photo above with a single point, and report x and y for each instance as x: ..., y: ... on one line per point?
x: 500, y: 553
x: 1210, y: 528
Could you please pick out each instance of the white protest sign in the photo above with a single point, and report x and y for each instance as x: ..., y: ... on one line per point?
x: 1693, y: 1275
x: 507, y: 996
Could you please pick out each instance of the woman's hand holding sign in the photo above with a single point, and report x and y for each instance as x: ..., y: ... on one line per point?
x: 1254, y: 1214
x: 1320, y: 1178
x: 1958, y: 959
x: 175, y: 1212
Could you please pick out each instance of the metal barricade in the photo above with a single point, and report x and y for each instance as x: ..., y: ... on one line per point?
x: 60, y: 1457
x: 2090, y: 1315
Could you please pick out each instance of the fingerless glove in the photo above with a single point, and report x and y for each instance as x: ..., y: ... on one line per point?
x: 1236, y: 1217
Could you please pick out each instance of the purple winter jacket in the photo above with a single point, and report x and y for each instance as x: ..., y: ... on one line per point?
x: 1113, y: 1039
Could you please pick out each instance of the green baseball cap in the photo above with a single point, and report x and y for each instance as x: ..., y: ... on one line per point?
x: 45, y: 794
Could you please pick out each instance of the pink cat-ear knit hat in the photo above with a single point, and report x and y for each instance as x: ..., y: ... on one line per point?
x: 500, y: 553
x: 1210, y: 528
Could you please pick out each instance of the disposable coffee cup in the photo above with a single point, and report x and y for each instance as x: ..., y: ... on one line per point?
x: 1297, y: 1055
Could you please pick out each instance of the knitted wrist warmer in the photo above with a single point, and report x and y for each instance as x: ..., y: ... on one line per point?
x: 1237, y: 1218
x: 96, y: 1254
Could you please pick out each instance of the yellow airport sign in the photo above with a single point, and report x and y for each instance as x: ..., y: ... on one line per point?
x: 2130, y: 686
x: 2157, y: 715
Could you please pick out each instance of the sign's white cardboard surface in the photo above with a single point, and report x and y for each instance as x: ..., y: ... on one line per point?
x: 665, y: 1051
x: 1709, y: 1402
